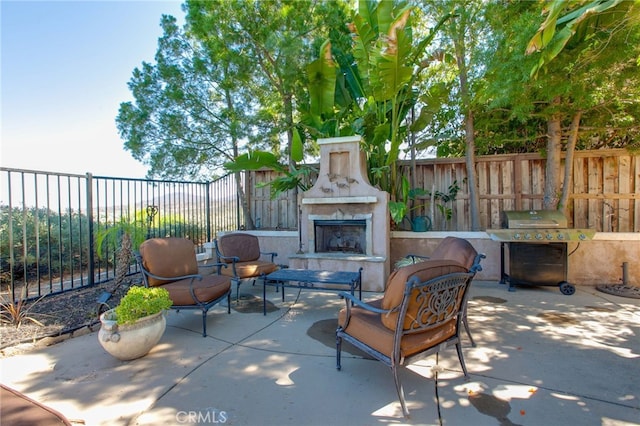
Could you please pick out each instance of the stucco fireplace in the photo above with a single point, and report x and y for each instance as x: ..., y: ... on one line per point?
x: 344, y: 222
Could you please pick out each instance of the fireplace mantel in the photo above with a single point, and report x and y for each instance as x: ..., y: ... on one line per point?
x: 340, y: 200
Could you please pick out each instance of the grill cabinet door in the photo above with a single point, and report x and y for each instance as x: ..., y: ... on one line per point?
x: 537, y: 264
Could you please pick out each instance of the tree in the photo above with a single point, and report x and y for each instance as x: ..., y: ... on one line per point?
x: 600, y: 19
x: 189, y: 114
x: 227, y: 83
x: 372, y: 92
x: 274, y: 40
x: 463, y: 39
x: 572, y: 85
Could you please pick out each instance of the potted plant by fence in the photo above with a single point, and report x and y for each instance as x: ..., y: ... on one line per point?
x: 132, y: 328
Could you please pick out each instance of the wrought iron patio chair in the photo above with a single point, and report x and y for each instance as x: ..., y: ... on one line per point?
x: 171, y: 263
x: 420, y: 314
x: 242, y: 253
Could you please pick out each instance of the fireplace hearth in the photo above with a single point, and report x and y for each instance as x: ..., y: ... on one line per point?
x: 339, y: 215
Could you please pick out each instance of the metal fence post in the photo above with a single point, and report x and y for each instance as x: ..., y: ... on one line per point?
x: 208, y: 210
x: 91, y: 240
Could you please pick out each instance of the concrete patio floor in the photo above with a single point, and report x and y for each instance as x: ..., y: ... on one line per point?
x: 542, y: 358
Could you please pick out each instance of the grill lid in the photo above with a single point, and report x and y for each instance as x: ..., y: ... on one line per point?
x: 533, y: 219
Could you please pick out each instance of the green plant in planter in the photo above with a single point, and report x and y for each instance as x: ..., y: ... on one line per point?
x: 140, y: 302
x: 400, y: 209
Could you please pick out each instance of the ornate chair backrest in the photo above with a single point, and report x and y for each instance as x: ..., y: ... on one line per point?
x: 430, y: 304
x: 432, y: 308
x: 394, y: 294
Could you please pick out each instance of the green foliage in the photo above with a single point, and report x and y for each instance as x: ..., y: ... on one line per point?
x: 579, y: 22
x: 109, y: 238
x: 56, y: 241
x: 292, y: 176
x: 414, y: 198
x: 596, y: 75
x: 46, y: 243
x: 374, y: 89
x: 140, y: 302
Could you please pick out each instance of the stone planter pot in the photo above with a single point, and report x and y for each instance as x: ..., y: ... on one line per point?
x: 130, y: 341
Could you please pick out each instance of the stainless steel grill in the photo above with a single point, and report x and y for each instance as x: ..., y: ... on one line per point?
x: 537, y: 242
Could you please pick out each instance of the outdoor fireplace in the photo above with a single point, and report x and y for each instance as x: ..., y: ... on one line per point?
x: 339, y: 214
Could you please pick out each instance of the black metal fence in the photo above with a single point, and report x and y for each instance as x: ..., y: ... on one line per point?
x: 51, y: 223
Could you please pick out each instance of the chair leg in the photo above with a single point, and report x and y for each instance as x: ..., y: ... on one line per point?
x: 229, y: 302
x: 338, y: 351
x: 204, y: 323
x: 396, y: 378
x: 237, y: 289
x: 465, y: 322
x: 461, y: 358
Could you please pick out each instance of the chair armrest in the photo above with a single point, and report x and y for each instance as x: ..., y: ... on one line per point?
x: 214, y: 265
x: 233, y: 259
x: 476, y: 263
x: 351, y: 300
x: 355, y: 301
x: 273, y: 254
x: 182, y: 277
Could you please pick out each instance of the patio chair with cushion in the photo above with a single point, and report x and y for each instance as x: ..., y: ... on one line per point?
x: 419, y: 314
x: 242, y: 252
x: 171, y: 263
x: 460, y: 250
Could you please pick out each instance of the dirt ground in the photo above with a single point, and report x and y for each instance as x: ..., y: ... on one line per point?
x: 60, y: 314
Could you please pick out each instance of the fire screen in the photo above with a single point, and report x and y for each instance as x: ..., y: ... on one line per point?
x: 340, y: 236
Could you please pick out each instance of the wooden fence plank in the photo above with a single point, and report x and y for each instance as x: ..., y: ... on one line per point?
x: 594, y: 214
x: 579, y: 187
x: 624, y: 187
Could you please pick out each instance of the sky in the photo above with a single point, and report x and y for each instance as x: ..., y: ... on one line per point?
x: 64, y: 69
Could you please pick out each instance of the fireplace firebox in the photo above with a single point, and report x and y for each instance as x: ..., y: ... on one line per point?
x: 340, y: 236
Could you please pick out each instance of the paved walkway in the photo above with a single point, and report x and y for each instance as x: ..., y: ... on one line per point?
x: 542, y: 358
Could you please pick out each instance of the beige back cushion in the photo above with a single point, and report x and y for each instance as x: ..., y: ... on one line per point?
x: 398, y: 279
x: 169, y: 258
x: 244, y: 246
x: 457, y: 249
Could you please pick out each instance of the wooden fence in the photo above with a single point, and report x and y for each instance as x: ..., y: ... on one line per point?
x: 605, y: 191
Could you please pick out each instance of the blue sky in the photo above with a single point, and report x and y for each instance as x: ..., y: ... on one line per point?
x: 64, y: 72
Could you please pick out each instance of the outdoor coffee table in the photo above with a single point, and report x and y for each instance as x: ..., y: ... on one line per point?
x: 310, y: 279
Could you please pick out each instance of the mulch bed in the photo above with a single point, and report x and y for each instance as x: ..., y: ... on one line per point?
x: 60, y: 314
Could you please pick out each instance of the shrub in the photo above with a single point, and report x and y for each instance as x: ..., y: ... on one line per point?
x: 140, y: 302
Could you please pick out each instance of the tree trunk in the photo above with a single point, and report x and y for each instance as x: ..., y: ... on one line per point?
x: 568, y: 162
x: 472, y: 178
x: 469, y: 136
x: 552, y: 172
x: 244, y: 203
x: 242, y: 197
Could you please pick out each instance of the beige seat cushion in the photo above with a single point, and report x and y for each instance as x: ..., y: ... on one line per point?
x: 251, y: 269
x: 168, y: 257
x: 397, y: 281
x: 244, y: 246
x: 368, y: 328
x: 211, y: 287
